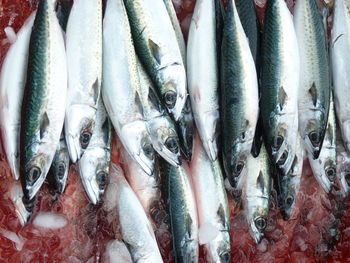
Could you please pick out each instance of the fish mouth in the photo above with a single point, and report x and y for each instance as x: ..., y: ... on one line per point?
x: 74, y: 148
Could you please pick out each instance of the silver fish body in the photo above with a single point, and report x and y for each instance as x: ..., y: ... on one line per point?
x: 94, y: 164
x: 202, y: 70
x: 279, y: 84
x: 343, y: 169
x: 325, y: 167
x: 289, y: 184
x: 212, y: 205
x: 160, y: 126
x: 154, y: 42
x: 121, y: 85
x: 239, y: 93
x: 256, y: 193
x: 59, y: 170
x: 44, y: 99
x: 135, y: 228
x: 178, y: 192
x: 12, y: 82
x: 84, y: 60
x: 314, y: 90
x: 340, y: 51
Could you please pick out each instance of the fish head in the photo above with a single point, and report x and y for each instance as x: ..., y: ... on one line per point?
x: 34, y: 172
x: 343, y: 169
x: 174, y: 91
x: 59, y: 169
x: 79, y: 125
x: 329, y: 169
x: 287, y: 200
x: 314, y: 136
x: 94, y: 171
x: 186, y: 131
x: 282, y: 145
x: 237, y: 168
x: 16, y: 195
x: 165, y: 140
x: 257, y: 220
x: 137, y: 142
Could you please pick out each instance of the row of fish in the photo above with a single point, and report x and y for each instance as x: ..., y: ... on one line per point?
x: 257, y: 102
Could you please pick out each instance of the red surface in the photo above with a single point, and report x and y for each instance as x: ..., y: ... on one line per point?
x: 318, y: 232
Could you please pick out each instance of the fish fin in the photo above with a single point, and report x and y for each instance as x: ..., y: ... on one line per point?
x: 44, y: 124
x: 221, y: 214
x: 260, y: 181
x: 156, y: 51
x: 138, y: 102
x: 313, y: 93
x: 96, y: 91
x: 189, y: 223
x: 153, y: 98
x: 282, y: 97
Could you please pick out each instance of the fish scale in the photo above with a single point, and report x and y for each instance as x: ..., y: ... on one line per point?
x: 42, y: 111
x: 279, y: 84
x: 314, y: 89
x: 239, y: 97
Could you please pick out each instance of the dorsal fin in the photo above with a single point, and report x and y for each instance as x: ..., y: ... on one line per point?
x: 282, y: 97
x: 44, y: 124
x: 313, y: 93
x: 156, y: 51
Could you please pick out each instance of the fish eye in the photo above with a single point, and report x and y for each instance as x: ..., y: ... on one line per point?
x: 314, y: 138
x: 61, y: 168
x: 225, y: 257
x: 347, y: 178
x: 147, y: 148
x: 283, y: 158
x: 170, y: 99
x: 238, y: 169
x: 278, y: 142
x: 85, y: 139
x: 260, y: 223
x: 172, y: 144
x: 102, y: 179
x: 289, y: 200
x: 330, y: 171
x: 34, y: 174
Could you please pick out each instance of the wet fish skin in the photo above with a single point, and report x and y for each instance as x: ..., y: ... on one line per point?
x: 325, y: 167
x: 94, y: 164
x: 212, y: 204
x: 239, y: 97
x: 343, y: 170
x: 84, y: 58
x: 135, y: 227
x: 249, y: 19
x: 154, y: 43
x: 63, y: 10
x: 58, y: 173
x: 289, y: 184
x: 182, y: 210
x: 256, y: 193
x: 279, y: 84
x: 340, y: 50
x: 121, y: 86
x: 176, y: 25
x: 43, y: 99
x: 12, y: 83
x: 160, y: 126
x: 314, y: 89
x: 202, y: 70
